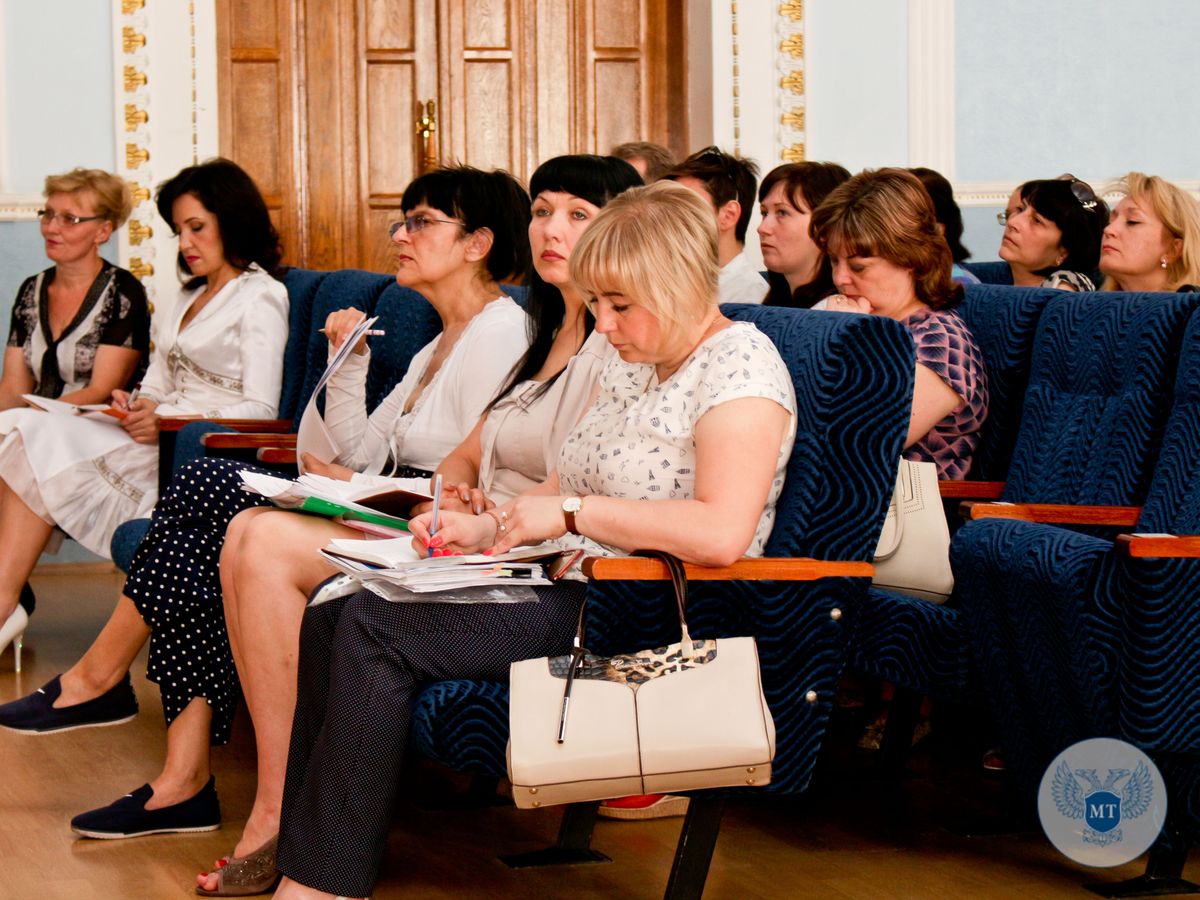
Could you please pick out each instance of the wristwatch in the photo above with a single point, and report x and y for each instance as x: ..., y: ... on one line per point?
x: 570, y: 507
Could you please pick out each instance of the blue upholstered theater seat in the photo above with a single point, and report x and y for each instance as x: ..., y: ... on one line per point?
x: 1074, y: 641
x: 853, y: 378
x: 1091, y: 427
x: 991, y: 272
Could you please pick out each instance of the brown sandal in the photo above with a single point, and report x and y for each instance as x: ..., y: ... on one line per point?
x: 242, y: 876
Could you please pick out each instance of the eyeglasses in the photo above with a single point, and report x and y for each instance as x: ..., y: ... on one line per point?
x: 1081, y: 190
x: 48, y: 216
x: 1002, y: 217
x: 416, y: 223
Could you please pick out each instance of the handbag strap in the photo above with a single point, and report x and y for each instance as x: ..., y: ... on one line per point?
x: 680, y: 584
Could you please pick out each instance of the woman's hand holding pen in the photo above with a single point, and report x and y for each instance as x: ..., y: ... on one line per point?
x: 456, y: 533
x: 340, y: 323
x: 141, y: 423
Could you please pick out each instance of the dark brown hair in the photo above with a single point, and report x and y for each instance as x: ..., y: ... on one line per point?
x: 887, y: 213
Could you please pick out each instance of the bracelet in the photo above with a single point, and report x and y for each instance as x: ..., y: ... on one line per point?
x: 501, y: 519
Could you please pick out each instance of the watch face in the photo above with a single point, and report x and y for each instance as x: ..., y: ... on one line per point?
x: 572, y: 504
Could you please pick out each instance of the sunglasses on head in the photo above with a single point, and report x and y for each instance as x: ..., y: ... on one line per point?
x: 1081, y: 190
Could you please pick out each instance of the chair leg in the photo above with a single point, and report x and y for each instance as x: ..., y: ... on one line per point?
x: 1163, y: 875
x: 573, y: 847
x: 693, y: 854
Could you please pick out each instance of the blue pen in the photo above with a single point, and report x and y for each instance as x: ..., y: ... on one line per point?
x: 437, y: 503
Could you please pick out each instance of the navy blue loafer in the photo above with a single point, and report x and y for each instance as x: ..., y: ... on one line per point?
x: 36, y: 714
x: 128, y: 817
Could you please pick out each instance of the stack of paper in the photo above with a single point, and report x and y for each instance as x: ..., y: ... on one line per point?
x: 323, y: 496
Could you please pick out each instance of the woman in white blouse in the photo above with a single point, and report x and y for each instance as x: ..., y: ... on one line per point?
x: 696, y: 395
x: 220, y: 354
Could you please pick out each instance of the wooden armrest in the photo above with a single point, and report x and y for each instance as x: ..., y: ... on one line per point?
x: 223, y: 440
x: 277, y: 455
x: 975, y: 490
x: 1165, y: 545
x: 636, y: 568
x: 1053, y: 513
x: 277, y: 426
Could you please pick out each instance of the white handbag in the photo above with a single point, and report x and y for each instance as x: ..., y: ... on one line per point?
x: 583, y: 727
x: 913, y: 555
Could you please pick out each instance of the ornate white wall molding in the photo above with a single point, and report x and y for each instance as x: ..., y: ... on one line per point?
x: 931, y: 85
x: 996, y: 193
x: 165, y: 108
x: 791, y: 72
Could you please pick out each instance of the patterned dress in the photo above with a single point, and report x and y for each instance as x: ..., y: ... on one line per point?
x: 946, y: 347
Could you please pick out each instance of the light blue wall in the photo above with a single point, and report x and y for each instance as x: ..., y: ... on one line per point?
x: 58, y: 77
x: 1094, y: 88
x: 857, y: 82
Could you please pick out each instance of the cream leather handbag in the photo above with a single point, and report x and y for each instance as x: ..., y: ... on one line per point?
x: 683, y: 717
x: 913, y: 555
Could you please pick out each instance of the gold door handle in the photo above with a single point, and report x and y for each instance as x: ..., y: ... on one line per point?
x: 426, y: 127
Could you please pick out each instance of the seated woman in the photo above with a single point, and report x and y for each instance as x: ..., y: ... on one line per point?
x: 690, y: 385
x: 1052, y: 234
x: 220, y: 353
x: 797, y: 271
x: 1152, y: 240
x: 511, y: 448
x: 80, y: 329
x: 949, y: 218
x: 462, y: 230
x: 889, y: 259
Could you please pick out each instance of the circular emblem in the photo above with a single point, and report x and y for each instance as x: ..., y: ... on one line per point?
x: 1102, y: 802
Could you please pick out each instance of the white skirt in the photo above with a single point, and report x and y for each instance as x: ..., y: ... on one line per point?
x: 84, y: 475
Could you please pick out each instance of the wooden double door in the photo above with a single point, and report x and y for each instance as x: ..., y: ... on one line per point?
x: 329, y: 103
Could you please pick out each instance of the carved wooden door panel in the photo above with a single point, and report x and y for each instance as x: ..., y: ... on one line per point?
x: 321, y: 99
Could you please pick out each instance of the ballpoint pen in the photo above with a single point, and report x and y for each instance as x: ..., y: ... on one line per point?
x: 437, y: 502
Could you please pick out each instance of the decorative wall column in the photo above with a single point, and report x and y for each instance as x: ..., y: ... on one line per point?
x: 165, y: 87
x: 789, y: 91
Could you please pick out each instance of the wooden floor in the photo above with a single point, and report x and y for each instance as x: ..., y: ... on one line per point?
x: 852, y: 837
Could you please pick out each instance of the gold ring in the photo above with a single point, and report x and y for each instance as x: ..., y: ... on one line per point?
x: 503, y: 515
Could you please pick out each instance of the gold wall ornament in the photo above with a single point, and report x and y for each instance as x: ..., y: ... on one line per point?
x: 794, y: 153
x: 135, y: 117
x: 793, y: 44
x: 140, y: 268
x: 426, y: 125
x: 131, y: 40
x: 133, y: 79
x: 135, y: 156
x: 794, y: 118
x: 793, y: 9
x: 140, y: 194
x: 139, y: 232
x: 129, y: 7
x: 793, y: 81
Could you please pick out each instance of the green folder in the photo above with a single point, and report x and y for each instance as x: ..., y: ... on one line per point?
x: 328, y: 508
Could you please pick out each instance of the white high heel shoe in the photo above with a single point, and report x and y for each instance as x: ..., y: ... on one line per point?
x: 13, y: 632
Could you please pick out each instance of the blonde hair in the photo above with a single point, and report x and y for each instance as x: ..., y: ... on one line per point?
x: 657, y: 245
x: 1179, y: 212
x: 114, y: 200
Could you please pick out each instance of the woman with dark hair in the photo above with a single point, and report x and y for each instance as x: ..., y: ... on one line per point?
x: 462, y: 231
x: 219, y: 353
x: 1052, y: 234
x: 889, y: 259
x: 797, y: 270
x: 949, y: 218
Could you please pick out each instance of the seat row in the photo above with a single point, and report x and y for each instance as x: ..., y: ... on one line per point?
x: 1085, y: 390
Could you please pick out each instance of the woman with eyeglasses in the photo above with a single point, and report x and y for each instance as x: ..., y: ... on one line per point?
x: 1052, y: 234
x: 80, y: 329
x: 797, y: 271
x: 1152, y: 240
x: 463, y: 230
x: 219, y: 353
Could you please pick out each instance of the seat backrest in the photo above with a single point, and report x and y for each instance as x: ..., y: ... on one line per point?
x: 1004, y: 322
x: 302, y: 285
x: 991, y: 272
x: 1098, y: 397
x: 409, y: 322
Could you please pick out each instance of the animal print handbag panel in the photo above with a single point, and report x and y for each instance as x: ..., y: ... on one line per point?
x: 635, y: 668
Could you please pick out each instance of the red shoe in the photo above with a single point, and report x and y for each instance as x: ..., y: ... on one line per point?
x: 644, y: 806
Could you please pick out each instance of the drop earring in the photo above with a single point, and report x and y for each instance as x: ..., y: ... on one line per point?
x: 1162, y: 263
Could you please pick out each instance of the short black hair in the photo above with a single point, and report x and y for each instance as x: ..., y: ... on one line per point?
x: 493, y: 200
x: 225, y: 190
x: 726, y: 177
x: 1082, y: 226
x: 946, y: 209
